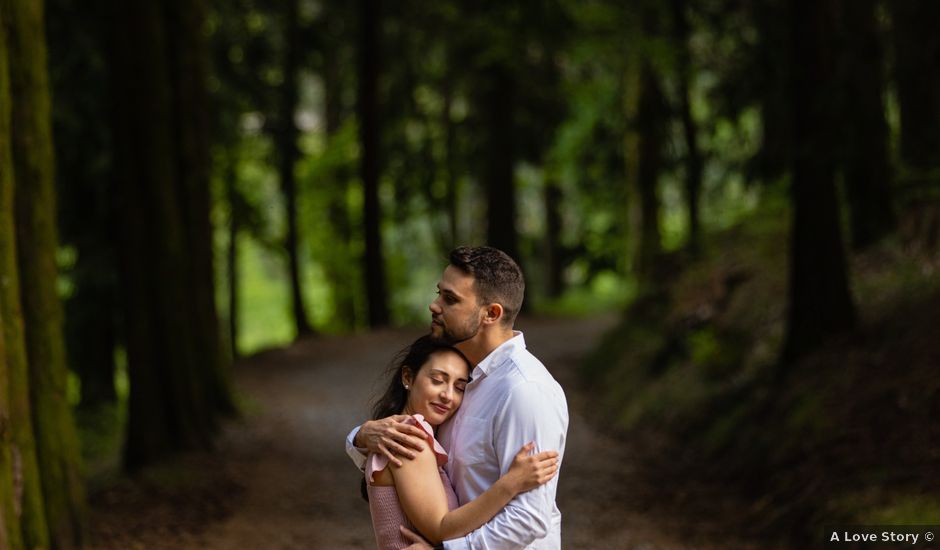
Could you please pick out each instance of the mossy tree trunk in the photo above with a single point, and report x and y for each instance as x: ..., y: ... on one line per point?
x: 37, y: 242
x: 12, y: 366
x: 174, y: 356
x: 21, y: 507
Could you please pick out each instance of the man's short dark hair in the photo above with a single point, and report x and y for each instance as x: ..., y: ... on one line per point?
x: 497, y: 277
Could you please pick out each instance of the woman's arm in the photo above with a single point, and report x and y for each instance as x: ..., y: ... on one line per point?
x: 424, y: 501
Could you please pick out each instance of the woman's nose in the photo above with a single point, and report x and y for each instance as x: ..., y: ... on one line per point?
x: 446, y: 394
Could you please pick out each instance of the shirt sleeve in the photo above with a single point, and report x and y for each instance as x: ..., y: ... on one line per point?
x: 532, y: 412
x: 356, y: 454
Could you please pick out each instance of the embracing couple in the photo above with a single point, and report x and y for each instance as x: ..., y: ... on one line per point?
x: 465, y: 443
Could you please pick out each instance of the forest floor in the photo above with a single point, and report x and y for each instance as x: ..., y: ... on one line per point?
x: 280, y: 478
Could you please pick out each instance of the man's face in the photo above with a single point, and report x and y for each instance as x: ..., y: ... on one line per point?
x: 455, y: 313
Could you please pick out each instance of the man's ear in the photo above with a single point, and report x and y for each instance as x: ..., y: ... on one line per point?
x: 493, y: 313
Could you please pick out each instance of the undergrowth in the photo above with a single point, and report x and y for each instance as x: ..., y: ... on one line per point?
x: 691, y: 373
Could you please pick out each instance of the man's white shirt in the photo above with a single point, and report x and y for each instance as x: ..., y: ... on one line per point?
x: 511, y: 400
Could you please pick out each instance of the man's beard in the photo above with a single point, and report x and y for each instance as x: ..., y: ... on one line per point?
x: 468, y: 331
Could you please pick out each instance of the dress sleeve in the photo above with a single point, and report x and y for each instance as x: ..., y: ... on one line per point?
x: 378, y: 462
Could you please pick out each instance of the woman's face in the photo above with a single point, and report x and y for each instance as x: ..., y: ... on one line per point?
x: 437, y: 389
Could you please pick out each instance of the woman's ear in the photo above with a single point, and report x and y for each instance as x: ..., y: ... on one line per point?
x: 407, y: 377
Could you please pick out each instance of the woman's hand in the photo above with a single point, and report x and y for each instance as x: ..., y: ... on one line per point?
x: 529, y: 471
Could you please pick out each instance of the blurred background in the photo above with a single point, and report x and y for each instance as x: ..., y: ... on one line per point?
x: 738, y: 201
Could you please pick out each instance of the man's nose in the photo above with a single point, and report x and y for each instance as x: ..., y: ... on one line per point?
x: 435, y: 308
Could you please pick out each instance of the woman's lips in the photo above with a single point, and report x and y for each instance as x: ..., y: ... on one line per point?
x: 440, y: 408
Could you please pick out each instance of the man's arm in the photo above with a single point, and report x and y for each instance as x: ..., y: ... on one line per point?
x: 532, y: 412
x: 389, y: 436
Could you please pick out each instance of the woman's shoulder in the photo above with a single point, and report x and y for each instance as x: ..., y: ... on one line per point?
x: 433, y: 444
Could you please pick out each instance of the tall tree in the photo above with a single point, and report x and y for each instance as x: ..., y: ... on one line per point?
x: 819, y: 301
x: 553, y: 226
x: 693, y: 156
x: 178, y: 387
x: 866, y: 166
x: 37, y: 242
x: 498, y: 100
x: 340, y: 266
x: 85, y: 198
x: 369, y: 127
x: 21, y: 507
x: 288, y: 153
x: 917, y: 73
x: 650, y: 123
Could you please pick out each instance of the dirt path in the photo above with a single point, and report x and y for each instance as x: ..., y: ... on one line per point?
x: 294, y: 487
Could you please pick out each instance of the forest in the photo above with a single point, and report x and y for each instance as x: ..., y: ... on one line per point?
x: 220, y: 219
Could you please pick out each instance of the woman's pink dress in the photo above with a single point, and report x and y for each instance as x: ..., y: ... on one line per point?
x: 387, y: 514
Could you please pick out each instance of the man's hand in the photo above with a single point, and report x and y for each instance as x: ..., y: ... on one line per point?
x: 391, y: 437
x: 417, y: 543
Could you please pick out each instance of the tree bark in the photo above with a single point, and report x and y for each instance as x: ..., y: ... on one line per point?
x: 867, y: 168
x: 37, y: 242
x: 22, y: 519
x: 27, y: 528
x: 369, y: 128
x: 819, y: 301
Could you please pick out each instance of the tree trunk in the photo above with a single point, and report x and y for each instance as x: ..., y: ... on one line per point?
x: 917, y: 73
x: 190, y: 64
x: 451, y: 196
x: 693, y: 157
x: 499, y: 162
x: 231, y: 255
x: 773, y: 64
x: 341, y: 265
x: 86, y: 212
x: 555, y: 261
x: 369, y: 138
x: 56, y: 438
x: 819, y: 300
x: 177, y: 385
x: 288, y: 154
x: 867, y: 168
x: 27, y: 528
x: 650, y: 124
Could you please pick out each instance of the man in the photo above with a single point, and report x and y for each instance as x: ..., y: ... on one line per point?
x: 511, y: 400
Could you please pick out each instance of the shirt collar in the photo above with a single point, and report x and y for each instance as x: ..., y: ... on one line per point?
x: 498, y: 356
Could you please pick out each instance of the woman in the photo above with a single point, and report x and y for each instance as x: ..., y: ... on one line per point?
x: 428, y: 383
